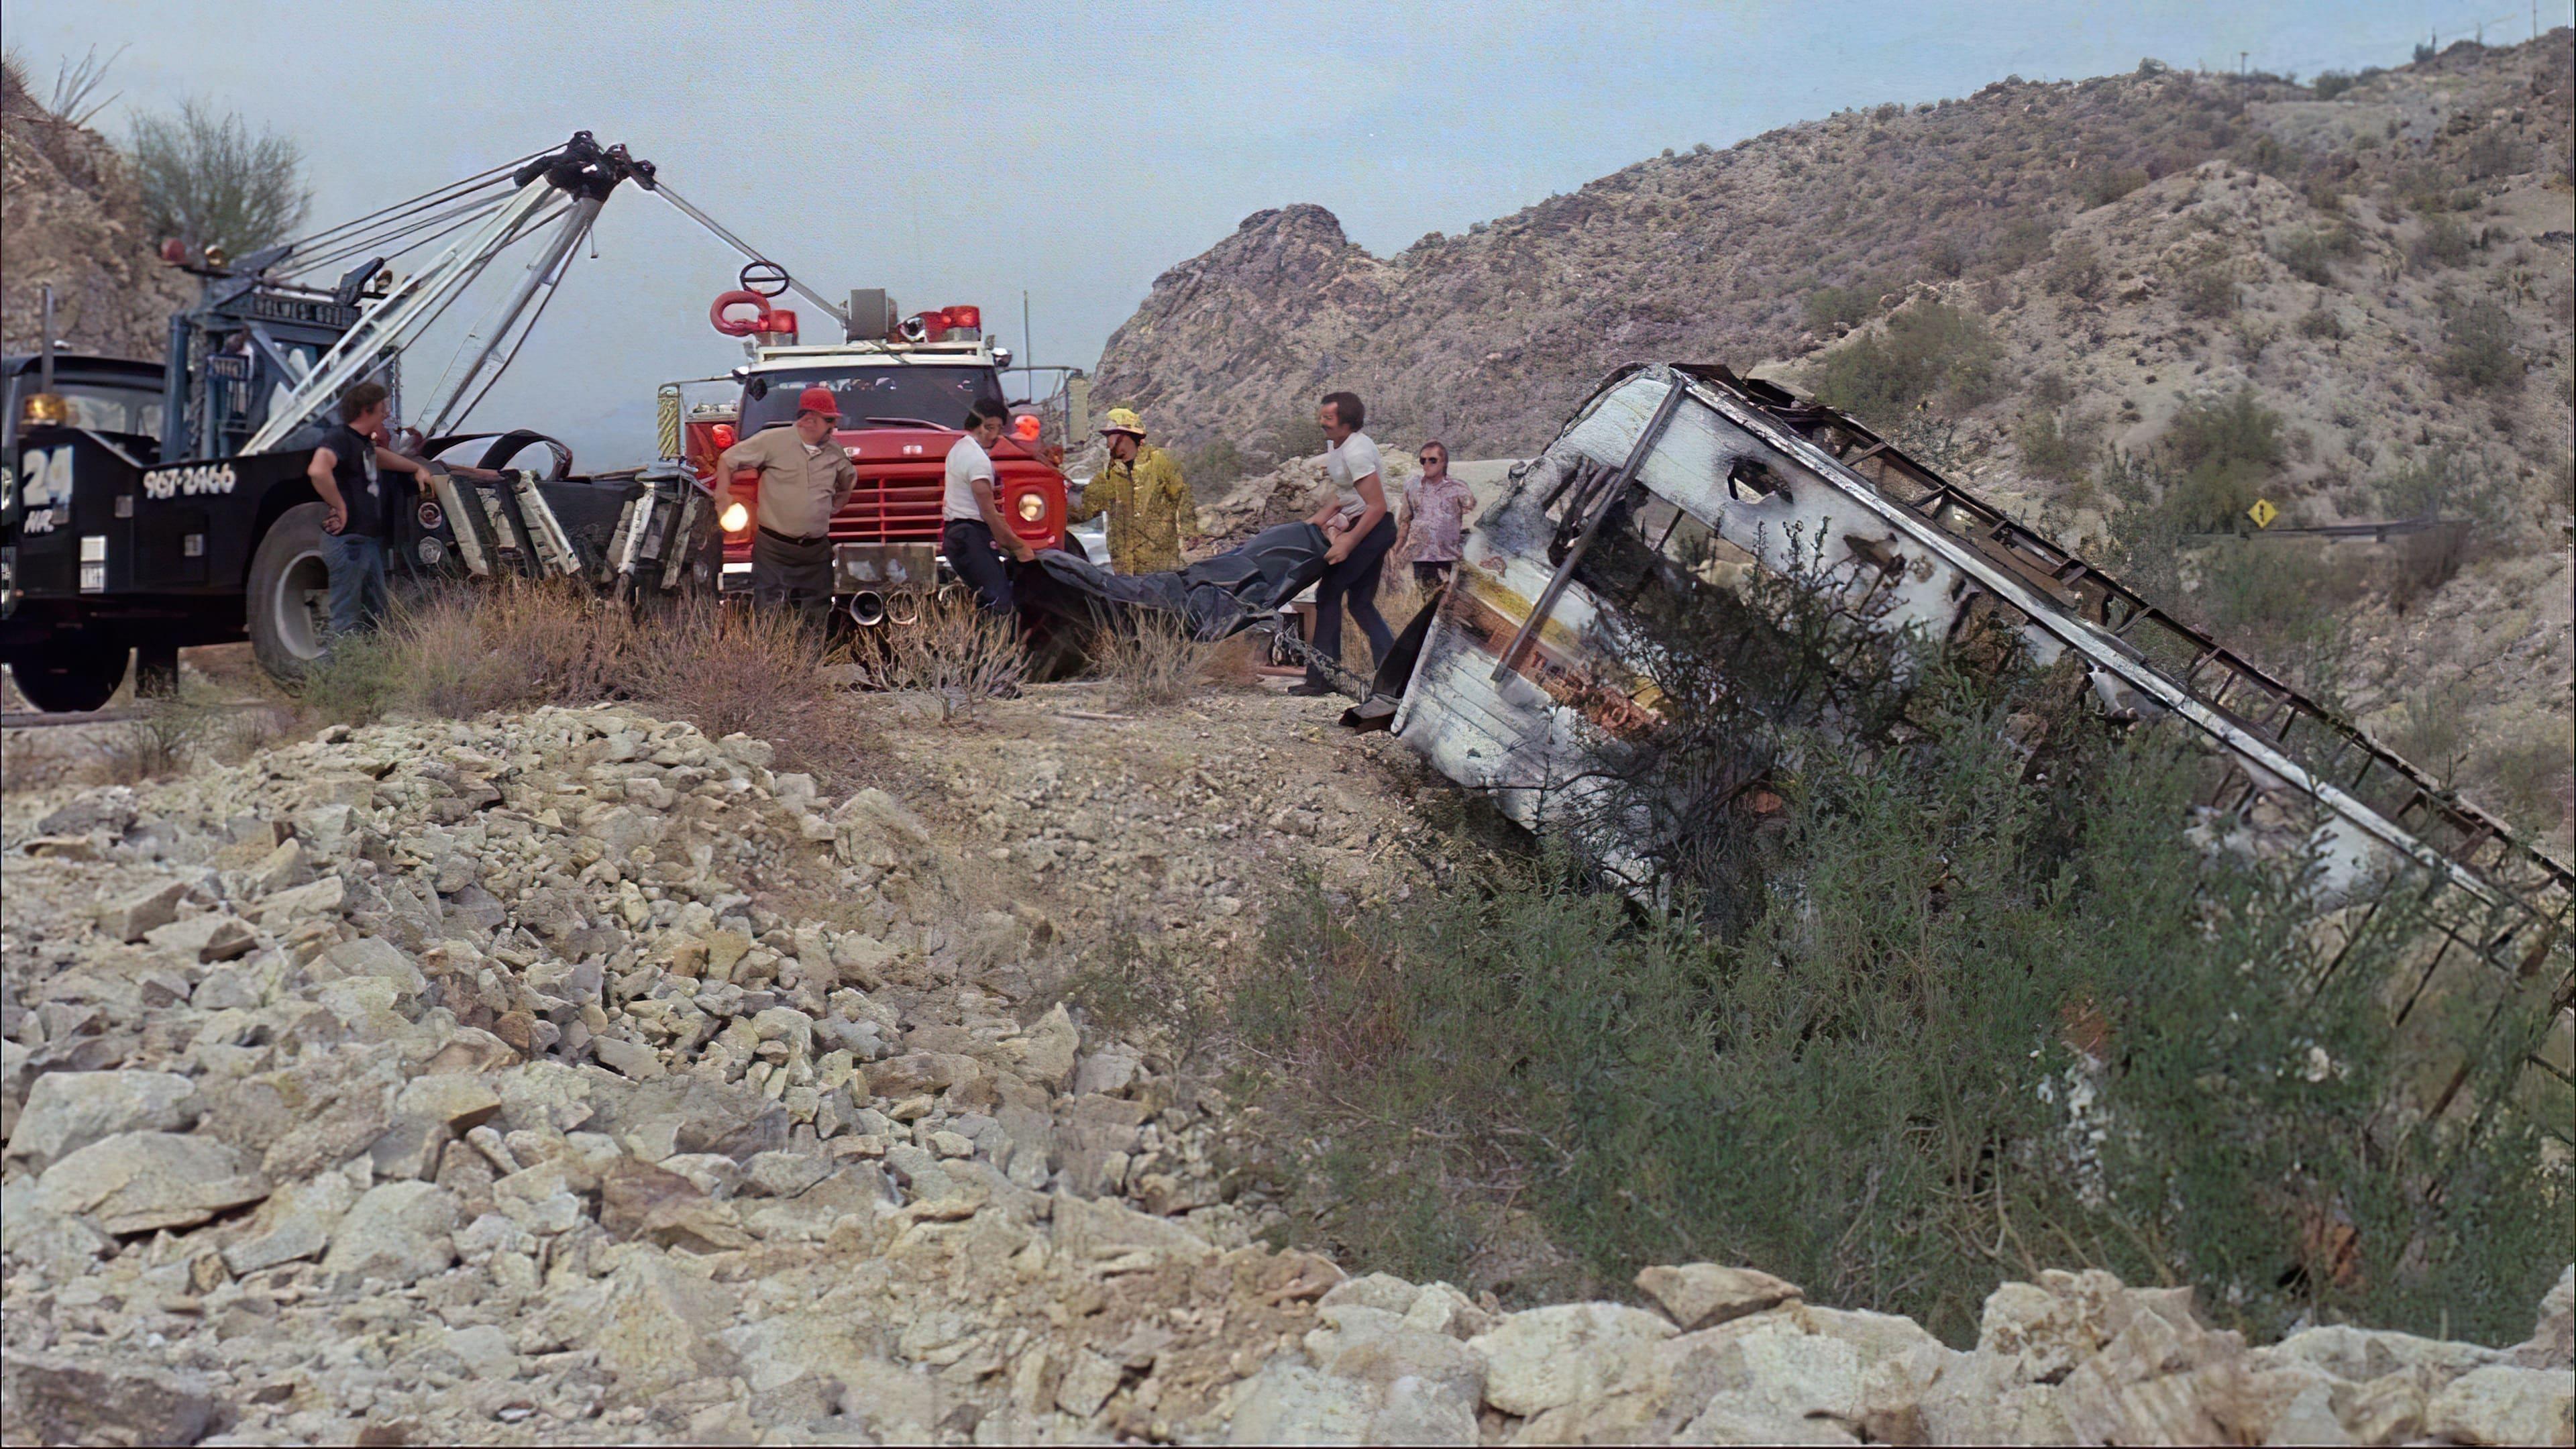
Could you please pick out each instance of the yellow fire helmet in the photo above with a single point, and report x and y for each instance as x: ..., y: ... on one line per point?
x: 1123, y: 420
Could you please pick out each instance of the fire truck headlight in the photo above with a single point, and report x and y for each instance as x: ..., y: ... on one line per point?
x: 1031, y: 507
x: 736, y: 518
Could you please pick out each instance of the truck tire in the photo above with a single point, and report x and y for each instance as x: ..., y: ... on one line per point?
x: 72, y: 672
x: 288, y: 611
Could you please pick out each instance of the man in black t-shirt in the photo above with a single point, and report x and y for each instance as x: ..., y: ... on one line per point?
x: 345, y: 472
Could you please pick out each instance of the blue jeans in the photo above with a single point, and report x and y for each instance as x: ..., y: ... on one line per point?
x: 968, y: 542
x: 1354, y: 580
x: 357, y: 564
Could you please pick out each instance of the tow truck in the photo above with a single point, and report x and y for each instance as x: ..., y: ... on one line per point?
x: 904, y: 388
x: 146, y: 507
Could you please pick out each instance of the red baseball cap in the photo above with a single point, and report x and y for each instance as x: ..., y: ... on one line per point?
x: 818, y: 400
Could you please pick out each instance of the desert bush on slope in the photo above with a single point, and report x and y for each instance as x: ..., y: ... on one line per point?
x: 1991, y: 1012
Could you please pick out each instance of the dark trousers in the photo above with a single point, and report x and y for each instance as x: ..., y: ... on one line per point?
x: 969, y: 546
x: 357, y: 567
x: 1428, y: 576
x: 795, y: 574
x: 1354, y: 578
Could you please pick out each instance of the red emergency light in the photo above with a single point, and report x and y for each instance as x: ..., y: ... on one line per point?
x: 964, y: 316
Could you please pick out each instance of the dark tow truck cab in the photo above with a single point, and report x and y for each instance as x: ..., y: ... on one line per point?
x: 150, y: 507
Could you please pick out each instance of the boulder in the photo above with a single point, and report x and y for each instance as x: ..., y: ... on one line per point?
x: 111, y: 809
x: 135, y: 1182
x: 1703, y: 1295
x: 2553, y: 1339
x: 67, y: 1111
x: 1545, y: 1357
x: 1288, y: 1403
x: 2504, y: 1404
x: 1053, y: 1045
x: 130, y: 917
x: 660, y: 1323
x: 57, y: 1399
x: 295, y: 1222
x: 396, y: 1231
x: 210, y: 937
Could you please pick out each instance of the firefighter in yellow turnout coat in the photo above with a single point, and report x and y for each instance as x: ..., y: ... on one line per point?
x: 1150, y: 510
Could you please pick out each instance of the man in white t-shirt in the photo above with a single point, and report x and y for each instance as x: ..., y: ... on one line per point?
x: 972, y: 527
x: 1357, y: 521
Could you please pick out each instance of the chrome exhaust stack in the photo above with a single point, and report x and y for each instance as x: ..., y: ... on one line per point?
x: 867, y: 608
x: 904, y: 609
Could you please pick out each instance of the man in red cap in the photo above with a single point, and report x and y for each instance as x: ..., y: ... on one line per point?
x: 804, y: 480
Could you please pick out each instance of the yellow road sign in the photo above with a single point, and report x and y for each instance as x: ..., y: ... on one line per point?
x: 2262, y: 513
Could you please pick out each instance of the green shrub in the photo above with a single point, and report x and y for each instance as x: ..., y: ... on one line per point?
x: 1212, y: 466
x: 2106, y: 184
x: 2208, y: 289
x: 2442, y: 243
x: 2321, y: 323
x: 2310, y: 254
x: 2055, y: 449
x: 1926, y: 350
x: 2223, y: 448
x: 1828, y: 308
x: 1996, y: 1014
x: 2332, y: 84
x: 1297, y: 435
x: 2479, y: 351
x: 2076, y: 270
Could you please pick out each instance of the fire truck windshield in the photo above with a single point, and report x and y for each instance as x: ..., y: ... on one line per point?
x: 904, y: 396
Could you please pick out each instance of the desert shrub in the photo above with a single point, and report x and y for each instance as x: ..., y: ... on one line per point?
x: 957, y: 653
x: 2527, y: 778
x: 1926, y: 350
x: 1213, y: 465
x: 2478, y: 350
x: 2492, y: 153
x: 2055, y: 449
x: 729, y: 668
x: 165, y: 735
x: 1945, y: 255
x: 2321, y: 324
x: 1827, y: 308
x: 1297, y: 435
x: 1153, y: 660
x: 2332, y: 84
x: 2076, y: 270
x: 2310, y: 253
x: 2222, y: 449
x: 2208, y: 289
x: 2441, y: 243
x: 2274, y: 592
x: 1996, y: 1015
x: 2424, y: 52
x: 2445, y: 485
x: 2050, y: 389
x: 207, y: 180
x: 2016, y: 246
x: 2103, y: 185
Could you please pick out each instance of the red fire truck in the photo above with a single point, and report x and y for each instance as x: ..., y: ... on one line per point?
x: 904, y: 388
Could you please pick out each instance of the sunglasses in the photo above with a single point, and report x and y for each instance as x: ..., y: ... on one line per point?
x: 1433, y: 458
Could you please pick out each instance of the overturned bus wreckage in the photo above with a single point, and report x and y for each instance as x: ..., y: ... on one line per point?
x: 1523, y: 681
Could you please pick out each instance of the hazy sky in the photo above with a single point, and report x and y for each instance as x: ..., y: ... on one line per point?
x: 1075, y: 151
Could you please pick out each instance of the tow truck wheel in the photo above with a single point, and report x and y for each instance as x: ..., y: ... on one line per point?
x: 70, y: 673
x: 289, y: 607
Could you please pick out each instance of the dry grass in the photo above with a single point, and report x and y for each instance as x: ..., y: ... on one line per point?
x: 1155, y: 661
x: 733, y: 670
x: 958, y: 654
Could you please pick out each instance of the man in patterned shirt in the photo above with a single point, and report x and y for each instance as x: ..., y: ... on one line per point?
x: 1435, y: 518
x: 1150, y: 510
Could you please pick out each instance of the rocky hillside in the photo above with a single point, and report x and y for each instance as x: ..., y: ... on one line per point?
x: 1758, y: 250
x: 574, y: 1077
x: 69, y: 215
x: 2125, y: 307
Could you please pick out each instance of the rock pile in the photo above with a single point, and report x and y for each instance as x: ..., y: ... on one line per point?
x: 576, y: 1077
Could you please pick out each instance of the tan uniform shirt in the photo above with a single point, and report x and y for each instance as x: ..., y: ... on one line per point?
x: 800, y: 487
